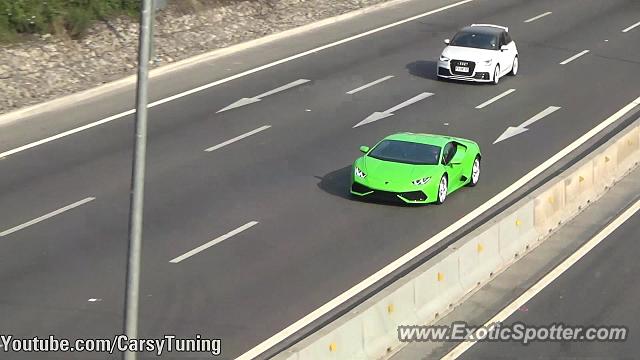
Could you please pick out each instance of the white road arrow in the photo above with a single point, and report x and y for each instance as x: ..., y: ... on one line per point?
x: 381, y: 115
x: 513, y: 131
x: 247, y: 101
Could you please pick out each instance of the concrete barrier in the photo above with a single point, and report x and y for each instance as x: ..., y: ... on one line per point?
x: 438, y: 287
x: 517, y: 232
x: 434, y: 288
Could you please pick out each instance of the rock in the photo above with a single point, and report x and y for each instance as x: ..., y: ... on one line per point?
x: 48, y: 67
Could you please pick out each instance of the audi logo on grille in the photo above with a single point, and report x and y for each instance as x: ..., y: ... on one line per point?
x: 463, y: 63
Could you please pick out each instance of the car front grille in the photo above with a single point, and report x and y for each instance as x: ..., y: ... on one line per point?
x: 443, y: 71
x: 359, y: 188
x: 387, y: 196
x: 463, y: 63
x: 414, y: 196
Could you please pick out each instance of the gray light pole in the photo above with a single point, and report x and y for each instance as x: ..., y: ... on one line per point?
x: 137, y: 181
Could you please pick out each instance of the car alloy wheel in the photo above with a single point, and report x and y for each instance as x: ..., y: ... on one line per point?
x: 514, y: 68
x: 475, y: 172
x: 442, y: 189
x: 496, y: 75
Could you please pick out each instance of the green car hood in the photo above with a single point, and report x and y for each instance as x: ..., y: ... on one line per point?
x: 399, y: 173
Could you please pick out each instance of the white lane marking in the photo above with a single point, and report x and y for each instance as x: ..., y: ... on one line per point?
x: 542, y: 114
x: 378, y: 115
x: 234, y: 77
x: 213, y: 242
x: 549, y: 278
x: 94, y: 300
x: 240, y: 137
x: 494, y: 99
x: 538, y: 17
x: 574, y: 57
x: 66, y: 133
x: 247, y: 101
x: 396, y: 264
x: 515, y: 130
x: 47, y: 216
x: 631, y: 27
x: 369, y: 85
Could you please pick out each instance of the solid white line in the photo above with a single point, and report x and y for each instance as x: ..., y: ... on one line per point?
x: 213, y: 242
x: 236, y: 76
x: 492, y: 100
x: 47, y: 216
x: 66, y: 133
x: 369, y: 85
x: 538, y: 17
x: 549, y: 278
x: 631, y: 27
x: 240, y: 137
x: 404, y: 259
x: 574, y: 57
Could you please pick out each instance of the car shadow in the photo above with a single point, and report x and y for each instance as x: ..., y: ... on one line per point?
x: 425, y: 69
x: 428, y: 69
x: 337, y: 183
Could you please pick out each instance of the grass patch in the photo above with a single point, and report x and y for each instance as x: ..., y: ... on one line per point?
x: 73, y: 17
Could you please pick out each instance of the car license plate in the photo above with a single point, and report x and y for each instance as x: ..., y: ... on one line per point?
x: 462, y: 69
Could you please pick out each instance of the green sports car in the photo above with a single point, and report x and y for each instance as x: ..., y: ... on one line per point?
x: 416, y: 168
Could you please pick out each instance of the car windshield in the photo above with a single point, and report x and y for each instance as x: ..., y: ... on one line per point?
x: 475, y: 40
x: 406, y: 152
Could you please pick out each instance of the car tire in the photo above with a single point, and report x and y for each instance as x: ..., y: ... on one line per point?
x: 475, y: 172
x: 515, y: 66
x: 496, y: 75
x: 443, y: 189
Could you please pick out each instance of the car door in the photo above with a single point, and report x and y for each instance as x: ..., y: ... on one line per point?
x: 512, y: 49
x: 453, y: 151
x: 505, y: 56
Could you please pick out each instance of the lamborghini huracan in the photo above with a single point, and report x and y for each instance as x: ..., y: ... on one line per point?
x: 415, y: 168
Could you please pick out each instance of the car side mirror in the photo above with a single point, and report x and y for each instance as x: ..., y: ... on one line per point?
x: 364, y: 149
x: 447, y: 41
x: 504, y: 47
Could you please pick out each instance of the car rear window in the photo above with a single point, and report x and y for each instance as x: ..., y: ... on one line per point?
x: 406, y: 152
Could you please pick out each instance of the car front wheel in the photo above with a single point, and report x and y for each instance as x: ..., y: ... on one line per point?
x: 475, y: 172
x: 443, y: 188
x: 514, y: 67
x: 496, y: 75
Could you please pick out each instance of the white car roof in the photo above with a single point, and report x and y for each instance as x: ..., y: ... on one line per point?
x: 492, y: 25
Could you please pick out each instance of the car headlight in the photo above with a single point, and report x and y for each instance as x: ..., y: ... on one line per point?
x: 487, y: 62
x: 422, y: 181
x: 359, y: 173
x: 444, y: 58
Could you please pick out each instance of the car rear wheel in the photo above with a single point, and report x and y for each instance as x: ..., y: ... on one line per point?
x: 514, y: 67
x: 443, y: 188
x: 496, y: 75
x: 475, y: 172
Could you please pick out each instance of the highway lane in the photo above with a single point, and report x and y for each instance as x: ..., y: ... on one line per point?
x: 599, y: 290
x: 313, y: 251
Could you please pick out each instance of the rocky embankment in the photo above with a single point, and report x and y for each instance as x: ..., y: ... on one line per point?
x: 48, y: 67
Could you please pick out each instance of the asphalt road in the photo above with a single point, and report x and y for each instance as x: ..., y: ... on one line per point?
x: 312, y: 241
x: 601, y: 290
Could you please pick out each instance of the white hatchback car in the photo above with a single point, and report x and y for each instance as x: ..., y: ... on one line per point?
x: 480, y: 52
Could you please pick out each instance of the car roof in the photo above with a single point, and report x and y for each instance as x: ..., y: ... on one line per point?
x: 429, y: 139
x: 483, y: 29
